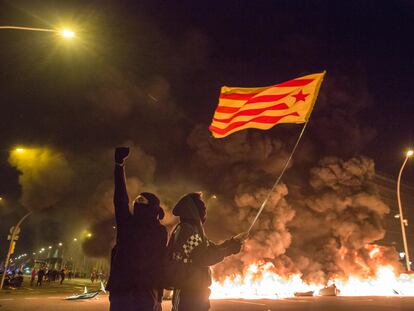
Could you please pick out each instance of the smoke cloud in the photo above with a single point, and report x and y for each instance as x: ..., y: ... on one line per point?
x: 45, y: 176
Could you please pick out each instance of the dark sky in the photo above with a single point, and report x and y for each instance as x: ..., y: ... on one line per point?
x: 149, y: 72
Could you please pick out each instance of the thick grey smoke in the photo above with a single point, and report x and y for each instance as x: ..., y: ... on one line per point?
x: 338, y: 218
x: 324, y: 229
x: 240, y: 171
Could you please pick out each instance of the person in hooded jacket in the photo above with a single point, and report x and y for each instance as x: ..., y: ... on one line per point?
x: 188, y: 244
x: 137, y: 257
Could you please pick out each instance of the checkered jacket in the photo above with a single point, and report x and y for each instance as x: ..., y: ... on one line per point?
x: 189, y: 245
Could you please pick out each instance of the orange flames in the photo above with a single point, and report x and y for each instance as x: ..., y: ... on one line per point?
x: 260, y: 280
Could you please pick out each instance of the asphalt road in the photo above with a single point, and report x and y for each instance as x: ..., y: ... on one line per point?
x: 51, y: 298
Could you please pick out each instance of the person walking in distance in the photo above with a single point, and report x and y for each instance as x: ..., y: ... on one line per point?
x: 136, y: 260
x: 33, y: 276
x: 40, y: 276
x: 62, y: 274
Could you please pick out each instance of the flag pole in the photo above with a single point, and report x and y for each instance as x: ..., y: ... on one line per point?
x: 289, y: 159
x: 278, y: 178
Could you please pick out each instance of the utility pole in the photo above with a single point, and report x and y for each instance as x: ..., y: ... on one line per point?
x: 13, y: 237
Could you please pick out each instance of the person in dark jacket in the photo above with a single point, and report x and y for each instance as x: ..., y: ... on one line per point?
x: 189, y: 245
x: 62, y: 274
x: 40, y: 275
x: 137, y: 257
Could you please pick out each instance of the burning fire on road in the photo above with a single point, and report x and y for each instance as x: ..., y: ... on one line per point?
x: 261, y: 281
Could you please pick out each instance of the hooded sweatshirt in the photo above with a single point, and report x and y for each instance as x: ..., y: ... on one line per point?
x: 188, y: 243
x: 136, y: 259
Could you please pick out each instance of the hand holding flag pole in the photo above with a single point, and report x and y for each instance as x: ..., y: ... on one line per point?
x: 264, y: 107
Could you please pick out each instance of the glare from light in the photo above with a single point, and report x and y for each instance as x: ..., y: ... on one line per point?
x: 75, y: 239
x: 20, y: 150
x: 67, y: 33
x: 50, y: 247
x: 60, y: 244
x: 89, y: 235
x: 410, y: 153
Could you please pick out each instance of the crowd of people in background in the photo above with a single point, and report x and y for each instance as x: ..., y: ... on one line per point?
x: 43, y: 274
x: 97, y: 276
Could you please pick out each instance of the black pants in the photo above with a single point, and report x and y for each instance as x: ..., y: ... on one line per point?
x: 195, y: 300
x: 139, y: 300
x: 39, y: 281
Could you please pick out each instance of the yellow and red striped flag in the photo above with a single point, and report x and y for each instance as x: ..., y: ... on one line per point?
x: 263, y: 107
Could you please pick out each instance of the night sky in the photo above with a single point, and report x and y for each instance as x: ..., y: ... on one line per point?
x: 148, y: 74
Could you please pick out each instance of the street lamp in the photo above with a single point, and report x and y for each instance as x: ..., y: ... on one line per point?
x: 65, y: 33
x: 402, y: 220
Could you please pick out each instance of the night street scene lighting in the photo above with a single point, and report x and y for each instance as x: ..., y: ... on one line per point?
x: 284, y: 128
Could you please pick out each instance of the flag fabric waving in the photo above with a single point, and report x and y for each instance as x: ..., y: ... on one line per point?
x: 263, y: 107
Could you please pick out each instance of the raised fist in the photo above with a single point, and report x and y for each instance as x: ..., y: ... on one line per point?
x: 121, y: 153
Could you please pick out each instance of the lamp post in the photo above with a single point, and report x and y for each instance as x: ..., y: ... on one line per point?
x: 13, y: 237
x: 403, y: 221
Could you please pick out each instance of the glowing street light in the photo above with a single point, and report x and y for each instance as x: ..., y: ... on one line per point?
x: 402, y: 220
x: 67, y: 33
x: 20, y: 150
x: 89, y: 235
x: 75, y: 239
x: 60, y: 244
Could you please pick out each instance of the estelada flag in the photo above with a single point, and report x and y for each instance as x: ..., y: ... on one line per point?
x: 263, y: 107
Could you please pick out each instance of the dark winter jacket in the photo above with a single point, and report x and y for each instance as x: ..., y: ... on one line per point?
x: 188, y: 244
x: 137, y: 257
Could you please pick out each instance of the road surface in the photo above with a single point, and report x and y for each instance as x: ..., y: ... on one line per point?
x: 51, y: 298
